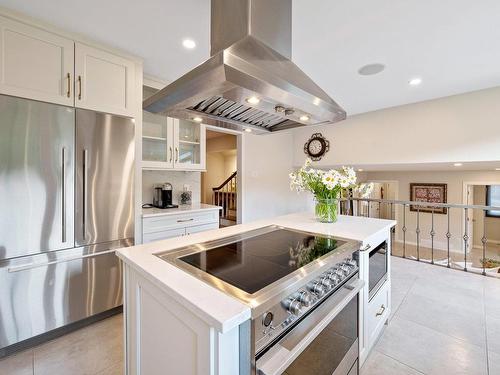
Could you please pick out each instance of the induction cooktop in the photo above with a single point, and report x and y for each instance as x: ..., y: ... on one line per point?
x: 256, y: 259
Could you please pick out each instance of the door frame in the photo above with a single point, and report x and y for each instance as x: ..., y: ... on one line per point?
x: 465, y: 188
x: 239, y: 166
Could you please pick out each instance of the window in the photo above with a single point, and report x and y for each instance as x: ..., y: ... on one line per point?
x: 493, y: 199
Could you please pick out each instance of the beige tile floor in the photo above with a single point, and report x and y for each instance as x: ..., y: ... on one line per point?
x: 443, y: 322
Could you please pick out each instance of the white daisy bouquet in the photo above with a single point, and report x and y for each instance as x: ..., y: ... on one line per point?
x: 327, y: 187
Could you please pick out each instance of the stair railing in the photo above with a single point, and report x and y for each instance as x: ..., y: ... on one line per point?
x: 224, y: 195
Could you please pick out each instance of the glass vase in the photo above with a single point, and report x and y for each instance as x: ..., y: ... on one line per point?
x: 326, y: 210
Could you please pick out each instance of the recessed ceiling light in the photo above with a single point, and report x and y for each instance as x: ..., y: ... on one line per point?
x: 360, y: 170
x: 189, y: 43
x: 371, y: 69
x: 304, y: 118
x: 415, y: 81
x: 248, y: 130
x: 497, y: 169
x: 197, y: 119
x: 457, y: 164
x: 253, y: 100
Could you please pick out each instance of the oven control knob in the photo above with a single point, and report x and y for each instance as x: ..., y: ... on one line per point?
x: 293, y: 306
x: 351, y: 263
x: 267, y: 319
x: 334, y: 277
x: 317, y: 288
x: 345, y: 269
x: 327, y: 282
x: 305, y: 298
x: 337, y: 272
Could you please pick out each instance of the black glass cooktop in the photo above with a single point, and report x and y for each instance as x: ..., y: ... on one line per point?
x: 253, y: 263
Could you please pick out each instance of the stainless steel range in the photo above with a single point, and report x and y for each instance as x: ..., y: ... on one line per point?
x: 302, y: 289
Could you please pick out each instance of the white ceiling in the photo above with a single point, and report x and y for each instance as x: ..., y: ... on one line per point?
x: 451, y: 44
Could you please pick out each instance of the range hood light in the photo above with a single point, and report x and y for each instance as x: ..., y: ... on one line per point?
x: 253, y: 100
x: 197, y: 119
x: 304, y: 118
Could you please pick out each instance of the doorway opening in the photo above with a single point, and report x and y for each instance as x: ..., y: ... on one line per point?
x: 219, y: 183
x: 483, y: 226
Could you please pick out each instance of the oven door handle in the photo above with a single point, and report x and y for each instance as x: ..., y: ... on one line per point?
x: 276, y: 360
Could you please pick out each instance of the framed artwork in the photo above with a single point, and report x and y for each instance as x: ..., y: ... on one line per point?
x: 432, y: 193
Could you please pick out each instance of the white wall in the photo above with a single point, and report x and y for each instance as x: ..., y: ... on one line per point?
x: 265, y: 188
x: 214, y: 176
x: 455, y: 181
x: 177, y: 178
x: 457, y: 128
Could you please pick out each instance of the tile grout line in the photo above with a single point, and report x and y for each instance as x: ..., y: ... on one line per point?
x: 398, y: 361
x: 404, y: 298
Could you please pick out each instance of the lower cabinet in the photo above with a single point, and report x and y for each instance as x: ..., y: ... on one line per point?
x: 157, y: 228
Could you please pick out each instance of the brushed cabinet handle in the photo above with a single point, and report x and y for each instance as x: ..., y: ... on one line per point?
x: 184, y: 220
x: 79, y: 87
x: 85, y: 178
x: 63, y: 194
x: 171, y: 154
x: 68, y: 92
x: 382, y: 309
x: 177, y: 154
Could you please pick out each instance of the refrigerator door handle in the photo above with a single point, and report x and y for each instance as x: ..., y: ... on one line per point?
x: 85, y: 178
x: 63, y: 194
x: 29, y: 266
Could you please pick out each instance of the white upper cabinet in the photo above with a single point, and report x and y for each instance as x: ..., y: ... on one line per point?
x: 35, y: 64
x: 169, y: 143
x: 189, y: 144
x: 103, y: 81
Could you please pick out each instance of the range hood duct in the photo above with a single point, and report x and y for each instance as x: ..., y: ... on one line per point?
x: 251, y: 45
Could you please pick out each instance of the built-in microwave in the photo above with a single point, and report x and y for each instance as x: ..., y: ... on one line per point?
x: 377, y: 268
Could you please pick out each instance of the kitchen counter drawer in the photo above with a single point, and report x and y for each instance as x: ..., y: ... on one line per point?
x: 378, y: 312
x: 163, y: 235
x: 156, y: 224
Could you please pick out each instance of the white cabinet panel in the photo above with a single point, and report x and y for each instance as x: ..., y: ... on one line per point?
x: 189, y: 144
x: 104, y: 82
x: 201, y: 228
x: 163, y: 235
x: 35, y: 64
x: 378, y: 313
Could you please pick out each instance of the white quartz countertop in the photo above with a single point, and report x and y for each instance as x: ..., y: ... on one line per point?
x: 184, y: 208
x: 218, y: 309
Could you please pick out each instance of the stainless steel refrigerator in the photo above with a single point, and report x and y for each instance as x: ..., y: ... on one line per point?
x: 66, y: 201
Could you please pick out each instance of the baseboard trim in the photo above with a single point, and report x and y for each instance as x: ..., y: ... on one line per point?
x: 58, y: 332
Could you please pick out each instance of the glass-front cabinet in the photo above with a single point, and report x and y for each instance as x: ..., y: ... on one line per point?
x: 169, y: 143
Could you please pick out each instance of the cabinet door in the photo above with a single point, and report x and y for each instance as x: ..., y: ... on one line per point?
x: 35, y: 64
x: 189, y: 142
x: 157, y: 138
x: 104, y: 82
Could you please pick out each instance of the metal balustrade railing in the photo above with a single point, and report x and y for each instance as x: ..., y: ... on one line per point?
x: 449, y: 235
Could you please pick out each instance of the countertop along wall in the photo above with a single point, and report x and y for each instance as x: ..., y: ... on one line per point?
x: 177, y: 178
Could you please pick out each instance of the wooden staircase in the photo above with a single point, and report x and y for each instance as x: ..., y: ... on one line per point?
x: 225, y: 196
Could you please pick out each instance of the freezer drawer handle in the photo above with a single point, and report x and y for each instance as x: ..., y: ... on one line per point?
x: 63, y: 194
x: 30, y: 266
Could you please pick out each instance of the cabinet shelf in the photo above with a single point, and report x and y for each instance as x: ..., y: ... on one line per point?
x: 151, y: 138
x: 189, y: 142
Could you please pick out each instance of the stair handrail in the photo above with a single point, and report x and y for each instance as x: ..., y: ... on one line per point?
x: 225, y: 182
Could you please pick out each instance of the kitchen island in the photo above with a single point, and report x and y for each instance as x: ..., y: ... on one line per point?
x: 176, y: 323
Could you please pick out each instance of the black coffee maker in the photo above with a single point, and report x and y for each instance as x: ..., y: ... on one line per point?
x: 162, y: 196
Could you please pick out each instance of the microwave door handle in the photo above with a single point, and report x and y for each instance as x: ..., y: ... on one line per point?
x: 282, y: 354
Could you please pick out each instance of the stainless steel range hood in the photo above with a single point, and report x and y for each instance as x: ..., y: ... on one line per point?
x: 250, y: 59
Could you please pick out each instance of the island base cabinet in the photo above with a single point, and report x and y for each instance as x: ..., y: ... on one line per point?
x: 163, y: 337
